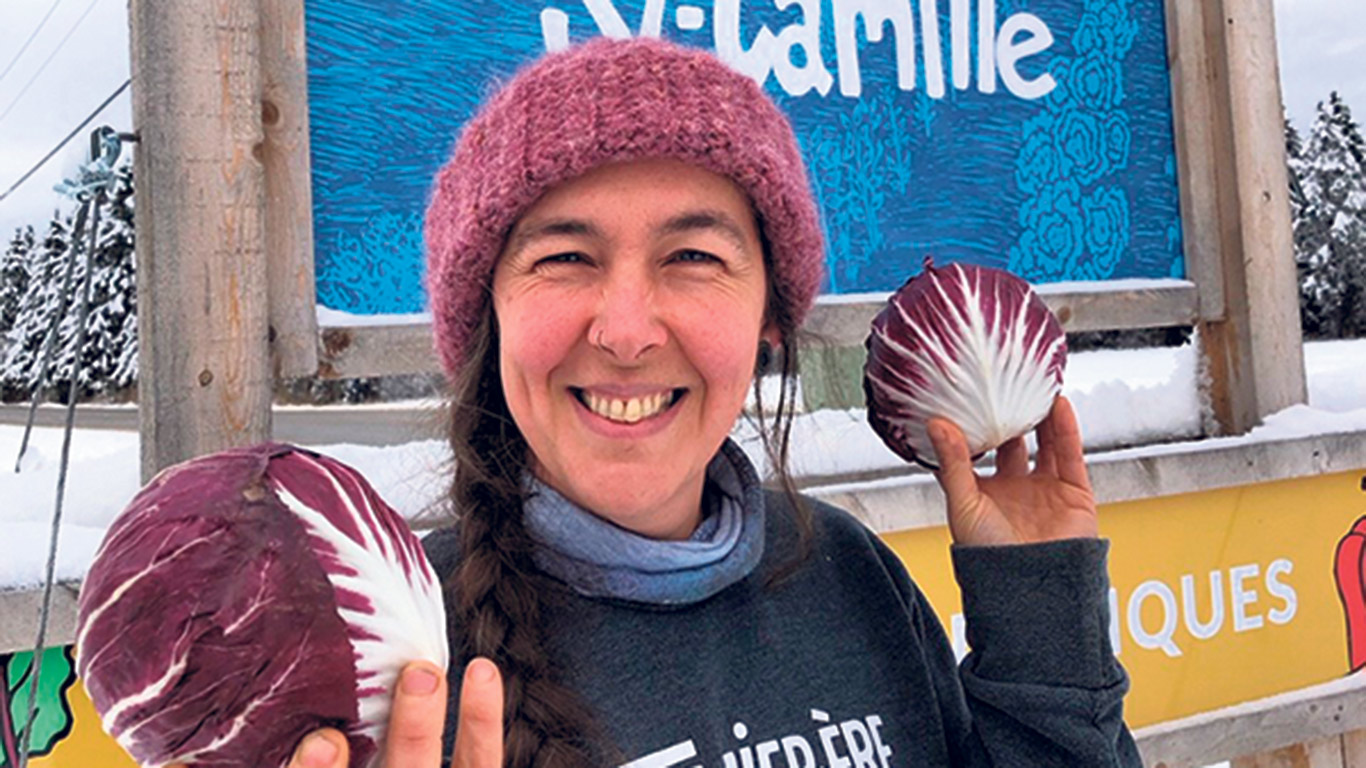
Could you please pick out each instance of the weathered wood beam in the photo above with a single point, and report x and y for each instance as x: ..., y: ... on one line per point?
x: 1252, y: 349
x: 205, y: 378
x: 1199, y: 137
x: 1305, y: 727
x: 291, y: 286
x: 384, y: 350
x: 375, y: 350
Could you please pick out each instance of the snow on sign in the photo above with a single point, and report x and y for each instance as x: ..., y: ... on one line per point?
x: 1033, y: 135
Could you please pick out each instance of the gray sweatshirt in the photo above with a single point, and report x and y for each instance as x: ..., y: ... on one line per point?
x: 845, y: 665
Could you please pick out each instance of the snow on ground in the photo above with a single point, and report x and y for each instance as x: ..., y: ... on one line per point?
x: 1122, y: 398
x: 1337, y: 380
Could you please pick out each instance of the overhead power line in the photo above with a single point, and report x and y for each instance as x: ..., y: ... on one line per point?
x: 29, y: 41
x: 68, y: 138
x: 48, y: 60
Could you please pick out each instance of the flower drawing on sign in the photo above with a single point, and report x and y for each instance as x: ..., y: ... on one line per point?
x: 1074, y: 218
x: 1107, y: 231
x: 1039, y: 161
x: 1106, y: 27
x: 1063, y: 96
x: 1096, y: 80
x: 1052, y: 240
x: 1117, y: 137
x: 1081, y: 139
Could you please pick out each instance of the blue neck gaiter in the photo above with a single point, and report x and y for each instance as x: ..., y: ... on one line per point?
x: 599, y: 559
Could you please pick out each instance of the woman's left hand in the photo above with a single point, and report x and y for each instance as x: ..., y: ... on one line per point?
x: 1017, y: 505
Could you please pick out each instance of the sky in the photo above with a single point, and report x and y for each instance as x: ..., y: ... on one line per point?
x: 1322, y: 48
x: 88, y: 67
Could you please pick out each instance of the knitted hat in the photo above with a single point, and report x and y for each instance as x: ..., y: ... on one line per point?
x: 601, y: 102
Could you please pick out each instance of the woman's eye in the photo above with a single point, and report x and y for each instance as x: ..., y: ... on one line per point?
x: 695, y: 257
x: 562, y: 258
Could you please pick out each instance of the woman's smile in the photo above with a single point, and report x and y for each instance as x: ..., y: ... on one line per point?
x: 624, y: 408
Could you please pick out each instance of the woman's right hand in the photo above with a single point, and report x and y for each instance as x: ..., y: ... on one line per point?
x: 417, y: 719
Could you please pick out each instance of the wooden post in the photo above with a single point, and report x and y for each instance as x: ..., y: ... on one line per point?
x: 204, y: 378
x: 1267, y: 263
x: 289, y: 190
x: 1199, y: 141
x: 1252, y: 348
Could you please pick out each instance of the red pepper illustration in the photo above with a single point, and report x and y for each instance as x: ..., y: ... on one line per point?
x: 1350, y: 570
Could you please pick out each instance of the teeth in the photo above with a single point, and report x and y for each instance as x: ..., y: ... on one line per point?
x: 627, y: 411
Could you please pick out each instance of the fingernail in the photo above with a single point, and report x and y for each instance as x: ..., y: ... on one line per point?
x: 481, y: 673
x: 936, y: 432
x: 318, y: 752
x: 419, y: 682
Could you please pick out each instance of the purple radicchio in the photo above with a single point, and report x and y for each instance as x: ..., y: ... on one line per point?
x: 970, y: 344
x: 246, y: 598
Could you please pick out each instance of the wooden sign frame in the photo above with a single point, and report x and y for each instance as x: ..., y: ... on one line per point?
x: 1235, y: 212
x: 226, y: 275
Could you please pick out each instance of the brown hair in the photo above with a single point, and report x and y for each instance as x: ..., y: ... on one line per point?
x: 497, y: 594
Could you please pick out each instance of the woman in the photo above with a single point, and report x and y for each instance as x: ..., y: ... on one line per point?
x: 623, y: 237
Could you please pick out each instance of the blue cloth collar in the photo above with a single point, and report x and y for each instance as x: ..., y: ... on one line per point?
x: 599, y: 559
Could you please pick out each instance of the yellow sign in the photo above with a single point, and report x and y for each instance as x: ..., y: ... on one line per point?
x: 1217, y: 597
x: 87, y: 746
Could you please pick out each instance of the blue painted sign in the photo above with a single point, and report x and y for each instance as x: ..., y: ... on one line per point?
x: 1033, y: 135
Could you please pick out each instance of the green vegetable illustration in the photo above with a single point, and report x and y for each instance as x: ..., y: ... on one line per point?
x: 52, y: 719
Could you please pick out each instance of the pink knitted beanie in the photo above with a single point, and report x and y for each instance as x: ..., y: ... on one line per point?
x: 601, y: 102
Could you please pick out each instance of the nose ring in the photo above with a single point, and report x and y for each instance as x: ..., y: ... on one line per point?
x: 597, y: 340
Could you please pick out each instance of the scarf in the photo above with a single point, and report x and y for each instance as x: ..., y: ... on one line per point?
x: 599, y: 559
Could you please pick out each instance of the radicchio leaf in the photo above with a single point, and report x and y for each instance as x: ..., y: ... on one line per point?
x: 970, y: 344
x: 246, y: 598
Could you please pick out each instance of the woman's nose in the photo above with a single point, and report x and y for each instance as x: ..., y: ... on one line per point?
x: 627, y: 324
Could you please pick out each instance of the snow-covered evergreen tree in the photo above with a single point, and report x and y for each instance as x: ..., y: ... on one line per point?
x: 1330, y: 224
x: 1294, y: 145
x: 109, y: 358
x: 24, y: 341
x: 1303, y: 228
x: 14, y: 276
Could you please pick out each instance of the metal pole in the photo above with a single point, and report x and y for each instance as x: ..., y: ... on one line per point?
x: 73, y: 391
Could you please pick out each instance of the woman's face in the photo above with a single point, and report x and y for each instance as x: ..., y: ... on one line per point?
x: 630, y: 304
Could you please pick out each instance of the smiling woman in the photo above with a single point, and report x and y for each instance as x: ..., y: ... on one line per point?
x: 623, y: 236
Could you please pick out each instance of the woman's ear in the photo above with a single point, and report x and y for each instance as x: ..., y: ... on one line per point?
x: 772, y: 335
x: 770, y: 340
